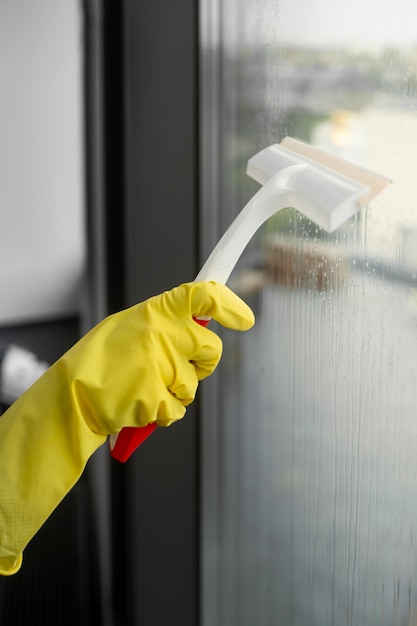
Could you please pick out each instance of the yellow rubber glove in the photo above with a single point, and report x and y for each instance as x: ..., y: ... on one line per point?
x: 137, y: 366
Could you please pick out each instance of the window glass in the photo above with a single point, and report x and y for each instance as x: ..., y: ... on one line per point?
x: 310, y: 464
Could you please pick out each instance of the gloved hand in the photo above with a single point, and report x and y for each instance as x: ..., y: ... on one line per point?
x: 137, y: 366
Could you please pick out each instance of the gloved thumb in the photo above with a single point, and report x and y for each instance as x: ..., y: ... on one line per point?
x: 211, y: 299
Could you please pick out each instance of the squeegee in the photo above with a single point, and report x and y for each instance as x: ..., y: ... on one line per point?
x: 325, y: 188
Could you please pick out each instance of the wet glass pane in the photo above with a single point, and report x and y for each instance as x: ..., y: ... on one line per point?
x: 310, y: 464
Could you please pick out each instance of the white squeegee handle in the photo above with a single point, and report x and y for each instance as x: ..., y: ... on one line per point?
x: 271, y: 198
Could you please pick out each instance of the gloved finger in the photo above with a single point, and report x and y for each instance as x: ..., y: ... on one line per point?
x: 211, y: 299
x: 168, y: 410
x: 208, y: 355
x: 185, y: 383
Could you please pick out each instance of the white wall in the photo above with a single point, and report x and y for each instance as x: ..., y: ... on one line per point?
x: 42, y: 246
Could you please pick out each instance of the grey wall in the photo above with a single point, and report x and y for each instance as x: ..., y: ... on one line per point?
x: 42, y: 238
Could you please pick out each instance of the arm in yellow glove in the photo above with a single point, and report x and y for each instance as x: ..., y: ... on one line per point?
x: 138, y: 366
